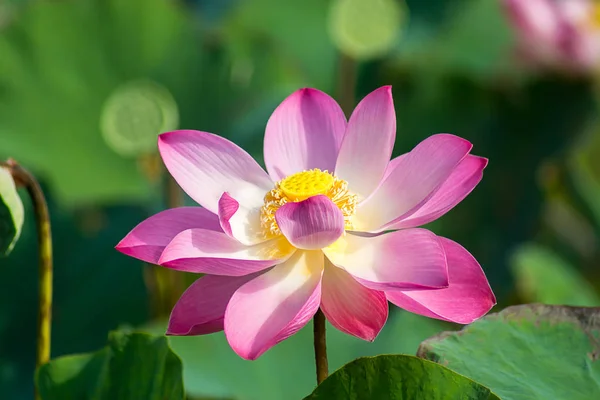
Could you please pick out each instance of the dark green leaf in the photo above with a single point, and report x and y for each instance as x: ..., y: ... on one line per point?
x: 527, y: 352
x: 11, y: 212
x: 132, y: 366
x: 398, y: 377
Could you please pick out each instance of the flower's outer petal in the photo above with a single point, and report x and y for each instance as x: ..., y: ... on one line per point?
x: 368, y: 143
x: 148, y: 239
x: 351, y: 307
x: 536, y: 20
x: 409, y: 259
x: 467, y: 298
x: 414, y: 180
x: 240, y: 222
x: 275, y: 305
x: 461, y: 182
x: 215, y: 253
x: 207, y: 165
x: 201, y: 308
x: 303, y: 133
x: 312, y: 223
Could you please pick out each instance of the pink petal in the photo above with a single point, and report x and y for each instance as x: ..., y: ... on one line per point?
x: 147, y: 240
x: 228, y: 206
x: 461, y: 182
x: 215, y: 253
x: 201, y: 308
x: 206, y: 166
x: 467, y: 298
x: 408, y: 259
x: 275, y: 305
x: 368, y: 143
x: 303, y: 133
x: 392, y: 166
x: 412, y: 182
x: 351, y: 307
x: 311, y: 224
x: 240, y: 222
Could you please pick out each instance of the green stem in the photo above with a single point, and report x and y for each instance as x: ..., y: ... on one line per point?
x: 24, y: 178
x: 320, y: 346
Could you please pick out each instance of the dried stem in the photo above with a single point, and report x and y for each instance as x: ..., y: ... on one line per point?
x: 25, y: 179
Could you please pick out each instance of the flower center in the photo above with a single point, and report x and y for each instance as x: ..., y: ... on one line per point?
x: 302, y: 185
x: 306, y: 184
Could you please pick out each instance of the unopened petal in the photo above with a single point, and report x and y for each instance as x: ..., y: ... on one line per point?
x: 215, y: 253
x: 206, y: 166
x: 311, y: 224
x: 467, y: 298
x: 275, y: 305
x: 303, y: 133
x: 351, y: 307
x: 408, y: 259
x: 147, y: 240
x: 368, y: 143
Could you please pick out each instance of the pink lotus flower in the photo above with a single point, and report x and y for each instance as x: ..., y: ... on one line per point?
x: 560, y: 34
x: 275, y: 247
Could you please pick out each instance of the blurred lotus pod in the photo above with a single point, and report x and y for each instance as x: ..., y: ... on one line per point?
x: 366, y: 29
x: 135, y: 114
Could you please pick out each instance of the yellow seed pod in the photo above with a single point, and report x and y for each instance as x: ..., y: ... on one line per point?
x: 302, y: 185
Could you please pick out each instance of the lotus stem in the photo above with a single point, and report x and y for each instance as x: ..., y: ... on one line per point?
x: 25, y: 179
x: 320, y: 346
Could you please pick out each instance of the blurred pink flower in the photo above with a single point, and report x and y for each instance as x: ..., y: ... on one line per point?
x: 275, y: 247
x: 559, y: 34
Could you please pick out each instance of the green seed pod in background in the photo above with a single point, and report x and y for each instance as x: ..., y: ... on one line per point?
x: 135, y: 114
x: 366, y: 29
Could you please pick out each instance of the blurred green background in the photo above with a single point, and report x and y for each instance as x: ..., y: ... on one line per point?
x: 86, y: 85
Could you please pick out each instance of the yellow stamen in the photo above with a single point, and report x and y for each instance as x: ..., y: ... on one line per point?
x: 301, y: 186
